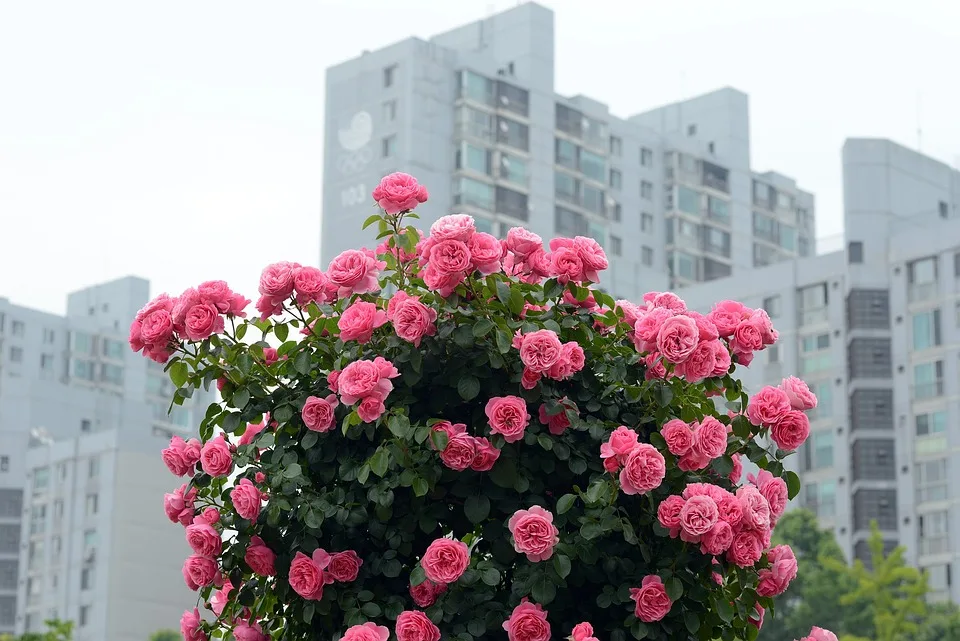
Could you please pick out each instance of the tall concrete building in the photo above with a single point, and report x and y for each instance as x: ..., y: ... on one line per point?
x: 473, y: 113
x: 875, y: 330
x: 82, y: 421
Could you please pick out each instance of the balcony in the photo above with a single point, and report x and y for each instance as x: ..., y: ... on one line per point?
x: 918, y: 292
x: 813, y: 316
x: 922, y: 391
x: 939, y: 544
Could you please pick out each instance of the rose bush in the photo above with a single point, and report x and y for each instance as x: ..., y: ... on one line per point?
x: 497, y: 449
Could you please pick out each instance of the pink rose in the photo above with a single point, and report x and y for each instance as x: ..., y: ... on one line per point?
x: 458, y: 227
x: 730, y: 510
x: 307, y: 576
x: 425, y: 594
x: 364, y: 378
x: 398, y: 192
x: 251, y: 432
x: 276, y: 280
x: 677, y: 338
x: 757, y: 619
x: 762, y: 320
x: 768, y: 406
x: 722, y: 360
x: 413, y: 625
x: 190, y: 626
x: 557, y: 423
x: 801, y: 398
x: 651, y: 598
x: 344, y: 566
x: 450, y: 257
x: 726, y: 315
x: 756, y: 510
x: 774, y: 580
x: 737, y: 471
x: 486, y: 455
x: 611, y: 464
x: 311, y: 285
x: 643, y: 470
x: 748, y: 337
x: 246, y: 500
x: 746, y: 548
x: 215, y: 457
x: 527, y: 622
x: 540, y: 350
x: 366, y: 632
x: 204, y: 540
x: 485, y: 252
x: 529, y: 379
x: 460, y: 452
x: 370, y: 409
x: 534, y: 533
x: 445, y: 560
x: 260, y: 558
x: 692, y: 461
x: 269, y: 306
x: 200, y: 571
x: 566, y: 265
x: 259, y: 477
x: 592, y: 256
x: 270, y: 356
x: 678, y: 435
x: 442, y: 282
x: 700, y: 364
x: 667, y: 300
x: 774, y: 489
x: 791, y: 430
x: 178, y: 505
x: 249, y: 631
x: 355, y: 271
x: 743, y: 358
x: 622, y: 441
x: 220, y: 598
x: 448, y: 428
x: 209, y: 516
x: 571, y: 361
x: 508, y: 416
x: 717, y: 540
x: 581, y: 632
x: 181, y: 456
x: 668, y: 512
x: 522, y: 242
x: 201, y: 321
x: 359, y: 320
x: 819, y: 634
x: 654, y: 366
x: 318, y: 413
x: 647, y: 328
x: 698, y: 516
x: 156, y: 328
x: 412, y: 320
x: 710, y: 438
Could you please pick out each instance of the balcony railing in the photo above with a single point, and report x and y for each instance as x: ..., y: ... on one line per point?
x: 939, y: 544
x: 917, y: 292
x: 932, y: 389
x: 813, y: 316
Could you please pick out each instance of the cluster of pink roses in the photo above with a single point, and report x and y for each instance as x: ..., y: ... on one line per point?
x: 202, y: 568
x: 651, y: 598
x: 534, y: 533
x: 195, y: 315
x: 308, y: 574
x: 543, y: 354
x: 455, y: 249
x: 643, y: 466
x: 782, y: 410
x: 367, y: 382
x: 695, y: 444
x: 464, y: 451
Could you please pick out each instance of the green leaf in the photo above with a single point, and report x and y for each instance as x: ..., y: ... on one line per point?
x: 490, y: 576
x: 309, y: 440
x: 399, y: 425
x: 692, y: 622
x: 723, y: 465
x: 302, y: 363
x: 666, y: 395
x: 552, y: 289
x: 674, y: 588
x: 292, y: 471
x: 565, y: 503
x: 590, y: 530
x: 370, y: 609
x: 545, y: 442
x: 468, y: 387
x: 420, y: 486
x: 517, y: 301
x: 723, y: 609
x: 231, y: 422
x: 363, y: 473
x: 370, y: 220
x: 503, y: 292
x: 245, y: 363
x: 179, y: 373
x: 561, y: 564
x: 477, y: 508
x: 482, y: 327
x: 504, y: 341
x: 282, y: 331
x: 793, y: 484
x: 418, y: 576
x: 308, y: 613
x: 544, y: 590
x: 439, y: 439
x: 639, y: 630
x: 595, y: 491
x: 380, y: 461
x: 240, y: 398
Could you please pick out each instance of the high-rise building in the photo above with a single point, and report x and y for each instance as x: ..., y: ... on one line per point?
x: 875, y: 331
x: 82, y: 422
x: 473, y: 113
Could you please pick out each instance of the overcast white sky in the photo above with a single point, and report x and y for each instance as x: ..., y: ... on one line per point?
x: 182, y: 141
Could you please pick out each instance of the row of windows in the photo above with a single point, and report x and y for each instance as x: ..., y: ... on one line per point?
x: 496, y: 164
x: 491, y: 198
x: 41, y: 475
x: 616, y: 149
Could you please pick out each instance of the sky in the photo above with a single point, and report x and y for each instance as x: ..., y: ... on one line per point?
x: 182, y: 141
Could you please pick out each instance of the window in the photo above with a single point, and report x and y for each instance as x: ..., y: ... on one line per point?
x: 646, y: 222
x: 512, y: 203
x: 58, y: 509
x: 56, y: 546
x: 513, y: 169
x: 766, y: 228
x: 16, y: 328
x: 718, y: 209
x: 646, y: 190
x: 934, y: 530
x: 93, y: 467
x: 41, y: 479
x: 922, y: 279
x: 764, y: 255
x: 83, y: 369
x: 813, y: 304
x: 716, y: 177
x: 716, y: 241
x: 926, y: 329
x: 85, y: 610
x: 593, y: 165
x: 616, y: 146
x: 89, y: 539
x: 389, y: 75
x: 565, y: 153
x: 714, y: 269
x: 932, y: 480
x: 38, y: 519
x: 616, y: 245
x: 35, y: 553
x: 868, y: 309
x: 688, y: 200
x: 82, y: 343
x: 112, y: 374
x: 474, y: 193
x: 869, y: 358
x: 824, y: 392
x: 616, y: 212
x: 928, y: 380
x: 593, y: 199
x: 821, y: 498
x: 86, y: 578
x: 691, y: 130
x: 4, y: 463
x: 854, y: 252
x: 388, y: 147
x: 475, y: 123
x: 823, y: 449
x: 46, y: 362
x: 771, y: 305
x: 944, y: 209
x: 683, y: 265
x: 570, y: 223
x: 773, y: 354
x: 91, y: 504
x: 513, y: 98
x: 49, y: 336
x: 390, y: 111
x: 646, y: 157
x: 616, y: 178
x: 815, y: 353
x: 932, y: 423
x: 85, y: 426
x: 475, y: 159
x: 516, y: 135
x: 646, y: 256
x: 16, y: 354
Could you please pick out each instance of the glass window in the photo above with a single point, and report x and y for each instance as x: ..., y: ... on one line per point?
x: 646, y: 256
x: 828, y: 499
x: 85, y: 613
x: 566, y: 187
x: 85, y: 370
x: 513, y: 133
x: 593, y: 199
x: 824, y: 393
x: 616, y: 211
x: 646, y: 157
x: 566, y: 153
x: 388, y: 147
x: 823, y: 449
x: 646, y: 190
x: 475, y: 87
x: 49, y: 336
x: 687, y: 231
x: 93, y: 467
x: 718, y: 209
x: 932, y: 423
x: 855, y: 252
x: 771, y: 305
x: 389, y: 75
x: 89, y: 539
x: 926, y: 329
x: 599, y: 233
x: 788, y: 237
x: 616, y: 178
x: 475, y: 159
x: 570, y: 223
x: 716, y: 241
x: 16, y: 354
x: 766, y: 228
x: 646, y: 222
x: 475, y: 193
x: 593, y: 165
x: 86, y: 578
x: 616, y: 146
x: 38, y: 519
x: 46, y: 362
x: 688, y: 200
x: 513, y: 98
x: 922, y: 271
x: 41, y: 479
x: 390, y: 110
x: 475, y: 123
x: 813, y: 303
x: 92, y: 504
x: 815, y: 356
x: 112, y: 374
x: 784, y: 201
x: 512, y: 203
x: 932, y: 480
x: 514, y: 169
x: 928, y: 380
x: 483, y: 225
x: 713, y: 269
x: 684, y: 266
x: 616, y: 245
x: 17, y: 328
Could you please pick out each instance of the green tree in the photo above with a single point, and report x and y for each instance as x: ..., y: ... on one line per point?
x: 165, y: 635
x: 942, y: 624
x: 57, y: 630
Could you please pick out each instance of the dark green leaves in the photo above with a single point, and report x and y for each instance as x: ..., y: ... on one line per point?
x: 468, y: 387
x: 561, y: 563
x: 565, y: 503
x: 482, y: 327
x: 674, y: 588
x: 477, y: 508
x: 692, y: 621
x: 292, y: 471
x: 380, y: 461
x: 793, y: 484
x: 281, y: 330
x: 179, y: 373
x: 302, y: 363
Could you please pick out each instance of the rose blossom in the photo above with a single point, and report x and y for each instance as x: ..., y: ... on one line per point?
x: 730, y: 509
x: 557, y: 423
x: 677, y: 338
x: 220, y: 598
x: 359, y: 320
x: 190, y: 626
x: 534, y: 533
x: 178, y: 505
x: 566, y: 265
x: 651, y: 598
x: 522, y: 242
x: 370, y: 409
x: 413, y: 625
x: 310, y: 285
x: 307, y: 576
x: 460, y: 452
x: 199, y: 571
x: 581, y: 632
x: 453, y: 227
x: 485, y: 253
x: 622, y: 441
x: 425, y: 594
x: 746, y: 548
x: 209, y: 516
x: 818, y: 634
x: 529, y: 379
x: 260, y: 558
x: 364, y: 378
x: 539, y: 350
x: 571, y: 361
x: 774, y: 489
x: 737, y: 470
x: 449, y: 257
x: 445, y: 560
x: 774, y: 580
x: 801, y: 398
x: 668, y: 512
x: 756, y: 510
x: 791, y: 430
x: 276, y: 280
x: 355, y: 271
x: 700, y: 364
x: 215, y: 457
x: 648, y: 327
x: 726, y: 315
x: 204, y: 540
x: 527, y: 622
x: 678, y: 435
x: 643, y: 470
x: 592, y: 256
x: 717, y: 540
x: 344, y: 566
x: 318, y: 413
x: 366, y: 632
x: 486, y: 456
x: 748, y: 336
x: 412, y: 320
x: 249, y: 631
x: 710, y: 438
x: 181, y: 456
x: 654, y: 366
x: 698, y: 516
x: 399, y: 192
x: 508, y: 416
x: 246, y: 499
x: 767, y: 406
